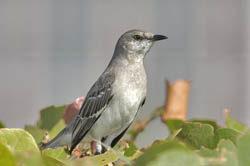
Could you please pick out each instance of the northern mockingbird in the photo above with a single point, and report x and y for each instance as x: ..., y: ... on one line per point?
x: 115, y: 98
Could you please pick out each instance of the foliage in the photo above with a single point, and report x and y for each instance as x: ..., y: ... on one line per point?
x: 193, y: 143
x: 50, y: 116
x: 2, y: 125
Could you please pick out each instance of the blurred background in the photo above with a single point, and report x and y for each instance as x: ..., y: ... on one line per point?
x: 51, y: 52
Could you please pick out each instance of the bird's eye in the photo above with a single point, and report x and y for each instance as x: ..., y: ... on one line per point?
x: 137, y: 37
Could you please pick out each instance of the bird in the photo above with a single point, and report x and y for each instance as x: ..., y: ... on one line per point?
x: 114, y: 100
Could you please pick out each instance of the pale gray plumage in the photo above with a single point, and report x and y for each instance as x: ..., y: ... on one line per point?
x: 113, y: 101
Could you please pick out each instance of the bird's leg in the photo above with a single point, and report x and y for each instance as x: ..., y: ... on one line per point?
x: 66, y: 149
x: 103, y: 149
x: 98, y: 147
x: 104, y: 139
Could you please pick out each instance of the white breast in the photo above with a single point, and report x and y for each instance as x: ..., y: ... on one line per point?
x: 129, y: 90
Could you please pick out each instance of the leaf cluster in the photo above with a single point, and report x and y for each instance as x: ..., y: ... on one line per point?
x: 192, y: 143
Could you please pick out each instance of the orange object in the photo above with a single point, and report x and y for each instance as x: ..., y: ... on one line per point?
x: 176, y: 100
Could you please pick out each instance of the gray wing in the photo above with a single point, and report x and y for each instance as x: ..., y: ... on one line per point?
x: 97, y: 99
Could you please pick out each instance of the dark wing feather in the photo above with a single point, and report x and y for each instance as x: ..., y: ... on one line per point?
x: 97, y: 99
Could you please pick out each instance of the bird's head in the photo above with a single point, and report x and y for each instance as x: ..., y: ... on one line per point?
x: 138, y: 42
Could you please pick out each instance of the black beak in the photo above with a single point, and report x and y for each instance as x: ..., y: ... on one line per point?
x: 159, y: 37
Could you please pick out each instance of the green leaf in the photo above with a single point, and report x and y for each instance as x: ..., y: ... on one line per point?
x: 173, y: 135
x: 232, y: 124
x: 98, y: 160
x: 50, y: 116
x: 174, y: 124
x: 225, y: 133
x: 118, y: 154
x: 208, y: 153
x: 28, y: 158
x: 57, y: 128
x: 34, y: 159
x: 169, y: 153
x: 197, y: 134
x: 223, y: 155
x: 207, y: 121
x: 58, y: 154
x: 131, y: 150
x: 49, y: 161
x: 227, y: 144
x: 18, y: 140
x: 6, y: 157
x: 244, y: 150
x: 136, y: 155
x: 37, y: 133
x: 2, y: 125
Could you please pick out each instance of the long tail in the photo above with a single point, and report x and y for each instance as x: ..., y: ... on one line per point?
x: 62, y: 139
